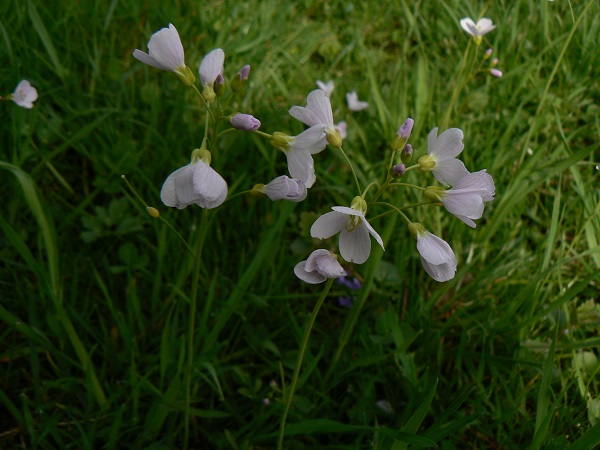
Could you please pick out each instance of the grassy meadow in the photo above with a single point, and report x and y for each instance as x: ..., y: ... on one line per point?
x: 96, y: 296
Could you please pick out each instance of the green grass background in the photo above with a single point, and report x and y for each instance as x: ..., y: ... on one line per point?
x: 95, y: 293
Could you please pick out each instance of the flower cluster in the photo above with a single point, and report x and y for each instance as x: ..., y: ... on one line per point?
x: 462, y: 193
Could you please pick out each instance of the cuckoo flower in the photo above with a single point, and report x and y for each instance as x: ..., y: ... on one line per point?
x: 327, y: 87
x: 354, y: 243
x: 282, y: 188
x: 195, y: 183
x: 483, y: 26
x: 354, y: 104
x: 25, y: 94
x: 320, y: 265
x: 436, y: 255
x: 465, y: 200
x: 165, y: 52
x: 318, y: 112
x: 210, y: 69
x: 441, y: 158
x: 298, y: 150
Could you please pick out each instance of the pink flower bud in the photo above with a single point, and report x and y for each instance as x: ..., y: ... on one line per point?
x: 244, y: 72
x: 496, y: 72
x: 245, y: 122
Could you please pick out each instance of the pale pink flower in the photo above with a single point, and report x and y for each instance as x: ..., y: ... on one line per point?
x: 320, y: 265
x: 25, y: 94
x: 354, y: 104
x: 441, y: 158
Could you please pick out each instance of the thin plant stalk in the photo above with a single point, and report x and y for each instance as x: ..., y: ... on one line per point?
x: 303, y: 345
x: 192, y: 322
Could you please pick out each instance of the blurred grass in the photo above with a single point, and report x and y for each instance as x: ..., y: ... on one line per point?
x: 471, y: 359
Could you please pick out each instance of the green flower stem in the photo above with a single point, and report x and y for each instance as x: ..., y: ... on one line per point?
x: 191, y: 324
x: 414, y: 186
x: 374, y: 183
x: 228, y: 130
x: 206, y: 105
x: 351, y: 167
x: 138, y: 196
x: 263, y: 134
x: 395, y: 208
x: 416, y: 166
x: 303, y: 345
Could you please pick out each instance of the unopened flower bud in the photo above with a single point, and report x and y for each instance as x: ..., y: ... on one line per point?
x: 281, y: 188
x: 238, y: 84
x: 494, y: 62
x: 401, y: 137
x: 152, y: 211
x: 488, y: 53
x: 496, y: 73
x: 398, y: 170
x: 219, y: 85
x: 244, y: 122
x: 406, y: 154
x: 244, y: 72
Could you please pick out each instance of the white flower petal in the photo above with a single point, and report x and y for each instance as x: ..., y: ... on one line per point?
x: 466, y: 220
x: 328, y: 266
x: 327, y: 87
x: 449, y: 144
x: 342, y: 128
x: 147, y: 59
x: 467, y: 204
x: 319, y: 103
x: 165, y: 50
x: 348, y: 211
x: 211, y: 67
x: 354, y: 104
x: 449, y: 171
x: 441, y: 272
x: 374, y: 233
x: 304, y: 115
x: 355, y: 246
x: 207, y: 182
x: 328, y: 224
x: 484, y: 26
x: 480, y: 182
x: 301, y: 166
x: 311, y: 261
x: 285, y: 188
x: 468, y: 25
x: 312, y: 277
x: 433, y: 249
x: 312, y: 139
x: 168, y: 193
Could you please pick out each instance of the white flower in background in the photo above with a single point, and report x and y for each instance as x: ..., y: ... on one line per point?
x: 25, y: 94
x: 441, y: 158
x: 436, y: 255
x: 195, y: 183
x: 354, y: 104
x: 496, y: 73
x: 318, y: 112
x: 210, y: 69
x: 466, y: 199
x: 165, y: 52
x: 355, y: 243
x: 282, y: 188
x: 298, y: 150
x: 320, y: 265
x: 327, y: 87
x: 483, y: 26
x: 342, y: 128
